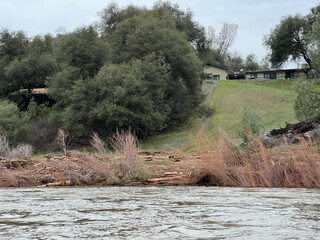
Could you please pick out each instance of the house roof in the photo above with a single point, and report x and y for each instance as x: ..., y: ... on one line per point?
x: 34, y: 91
x: 216, y: 65
x: 276, y: 70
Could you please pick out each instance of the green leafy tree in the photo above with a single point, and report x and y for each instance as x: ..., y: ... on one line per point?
x: 183, y: 21
x: 251, y: 63
x: 149, y: 81
x: 30, y: 66
x: 112, y: 15
x: 13, y: 124
x: 153, y: 82
x: 82, y: 49
x: 141, y: 35
x: 288, y: 40
x: 121, y: 96
x: 13, y: 45
x: 307, y: 103
x: 80, y: 54
x: 314, y: 39
x: 31, y: 71
x: 235, y: 62
x: 41, y: 44
x: 60, y: 85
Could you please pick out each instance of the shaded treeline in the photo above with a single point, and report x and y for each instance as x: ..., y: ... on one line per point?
x: 137, y: 68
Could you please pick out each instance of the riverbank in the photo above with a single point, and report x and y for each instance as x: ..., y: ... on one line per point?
x: 225, y: 164
x: 195, y: 154
x: 81, y: 169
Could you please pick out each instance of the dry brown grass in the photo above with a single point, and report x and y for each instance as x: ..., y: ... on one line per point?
x: 255, y: 165
x: 7, y: 178
x: 63, y: 140
x: 98, y: 144
x: 77, y: 168
x: 126, y: 165
x: 7, y: 152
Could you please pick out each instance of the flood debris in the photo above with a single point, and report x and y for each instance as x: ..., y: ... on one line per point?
x: 291, y: 134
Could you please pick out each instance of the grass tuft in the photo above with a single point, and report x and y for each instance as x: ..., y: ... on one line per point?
x: 255, y: 165
x: 7, y: 152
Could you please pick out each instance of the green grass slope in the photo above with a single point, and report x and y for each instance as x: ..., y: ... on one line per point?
x: 272, y: 100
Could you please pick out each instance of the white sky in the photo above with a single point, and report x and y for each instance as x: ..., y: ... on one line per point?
x: 255, y: 18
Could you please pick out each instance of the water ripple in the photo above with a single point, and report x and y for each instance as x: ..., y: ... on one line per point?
x: 159, y: 213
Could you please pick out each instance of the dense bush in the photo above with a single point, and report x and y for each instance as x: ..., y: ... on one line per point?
x: 307, y: 102
x: 250, y: 123
x: 13, y: 124
x: 141, y: 71
x: 122, y: 95
x: 44, y: 124
x: 151, y: 82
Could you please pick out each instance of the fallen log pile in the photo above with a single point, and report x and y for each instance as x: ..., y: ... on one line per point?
x: 167, y: 178
x: 73, y: 169
x: 291, y: 134
x: 165, y: 168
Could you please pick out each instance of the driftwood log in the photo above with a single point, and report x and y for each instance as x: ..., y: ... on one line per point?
x: 291, y: 133
x: 297, y: 128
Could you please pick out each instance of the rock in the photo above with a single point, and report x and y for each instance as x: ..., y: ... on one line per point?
x: 312, y: 134
x: 291, y: 134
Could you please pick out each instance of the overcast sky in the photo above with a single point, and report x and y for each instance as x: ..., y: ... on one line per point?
x: 255, y: 18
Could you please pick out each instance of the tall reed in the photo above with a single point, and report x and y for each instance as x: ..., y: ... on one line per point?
x: 255, y: 165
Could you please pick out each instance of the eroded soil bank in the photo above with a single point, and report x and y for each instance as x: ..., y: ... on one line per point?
x: 78, y: 169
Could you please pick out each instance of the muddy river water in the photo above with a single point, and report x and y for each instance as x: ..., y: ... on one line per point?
x: 159, y: 213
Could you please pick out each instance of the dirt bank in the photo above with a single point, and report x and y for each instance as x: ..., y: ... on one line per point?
x: 78, y: 169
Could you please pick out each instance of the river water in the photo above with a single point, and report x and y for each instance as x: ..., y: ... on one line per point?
x: 159, y: 213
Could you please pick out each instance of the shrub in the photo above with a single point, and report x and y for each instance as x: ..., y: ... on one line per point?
x: 44, y: 124
x: 250, y: 122
x: 257, y: 166
x: 7, y: 152
x: 125, y: 144
x: 13, y: 124
x: 63, y: 140
x: 205, y: 111
x: 98, y: 144
x: 306, y: 105
x: 125, y: 165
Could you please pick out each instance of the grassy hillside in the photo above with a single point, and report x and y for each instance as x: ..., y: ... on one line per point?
x: 272, y: 100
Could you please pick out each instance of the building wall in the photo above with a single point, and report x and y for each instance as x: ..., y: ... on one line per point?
x: 216, y: 71
x: 300, y: 74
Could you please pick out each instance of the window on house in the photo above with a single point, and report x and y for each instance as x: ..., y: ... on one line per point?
x: 270, y: 76
x: 267, y: 75
x: 216, y: 77
x: 253, y: 75
x: 289, y: 75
